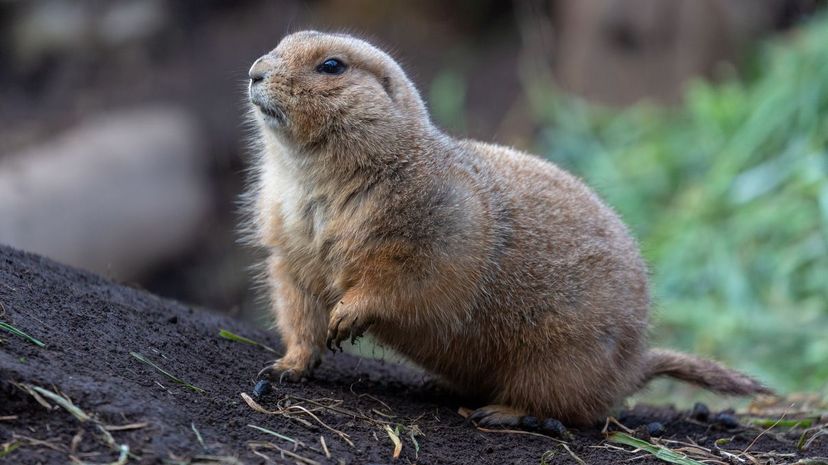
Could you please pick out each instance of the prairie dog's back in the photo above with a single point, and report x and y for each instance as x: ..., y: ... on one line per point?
x: 561, y: 230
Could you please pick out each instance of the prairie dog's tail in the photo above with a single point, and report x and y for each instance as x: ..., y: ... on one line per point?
x: 702, y: 372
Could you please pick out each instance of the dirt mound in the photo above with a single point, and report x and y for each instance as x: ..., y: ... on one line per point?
x: 99, y: 337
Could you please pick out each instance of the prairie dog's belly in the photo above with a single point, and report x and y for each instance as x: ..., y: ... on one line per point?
x: 468, y: 360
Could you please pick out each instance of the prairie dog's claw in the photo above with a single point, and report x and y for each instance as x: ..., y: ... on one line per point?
x: 274, y: 373
x: 291, y: 368
x: 497, y: 416
x: 343, y: 327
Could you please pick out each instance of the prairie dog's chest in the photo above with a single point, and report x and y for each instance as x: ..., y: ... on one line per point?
x: 290, y: 210
x: 297, y: 221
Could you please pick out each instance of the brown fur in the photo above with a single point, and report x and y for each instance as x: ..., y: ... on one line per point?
x: 699, y: 371
x: 491, y: 268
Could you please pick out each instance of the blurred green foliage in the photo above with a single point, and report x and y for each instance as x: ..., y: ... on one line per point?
x: 448, y: 97
x: 729, y: 197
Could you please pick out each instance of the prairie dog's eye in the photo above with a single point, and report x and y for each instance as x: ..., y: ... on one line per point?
x: 331, y: 66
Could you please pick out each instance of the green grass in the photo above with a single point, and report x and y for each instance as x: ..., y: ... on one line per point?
x: 274, y: 433
x: 780, y: 423
x: 11, y: 329
x: 660, y: 452
x: 236, y: 338
x: 166, y: 373
x: 8, y: 448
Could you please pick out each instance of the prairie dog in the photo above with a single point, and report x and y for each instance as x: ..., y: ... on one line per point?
x: 493, y: 269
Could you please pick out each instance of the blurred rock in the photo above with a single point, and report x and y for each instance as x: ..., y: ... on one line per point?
x: 48, y: 29
x: 131, y: 21
x: 116, y: 195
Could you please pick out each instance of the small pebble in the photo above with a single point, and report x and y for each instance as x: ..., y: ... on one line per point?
x: 656, y: 429
x: 700, y: 412
x: 528, y: 422
x: 261, y: 389
x: 726, y: 420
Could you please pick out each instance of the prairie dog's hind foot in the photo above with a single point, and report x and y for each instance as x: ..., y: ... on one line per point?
x: 500, y: 416
x: 497, y: 415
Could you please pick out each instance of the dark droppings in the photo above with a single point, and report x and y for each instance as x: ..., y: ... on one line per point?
x: 261, y: 389
x: 656, y: 429
x: 700, y: 412
x: 726, y: 420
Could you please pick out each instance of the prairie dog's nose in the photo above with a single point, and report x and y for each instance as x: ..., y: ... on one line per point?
x: 260, y: 69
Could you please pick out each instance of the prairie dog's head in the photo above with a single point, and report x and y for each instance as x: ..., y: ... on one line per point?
x: 316, y: 87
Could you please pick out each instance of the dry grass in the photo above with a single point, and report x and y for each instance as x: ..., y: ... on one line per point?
x: 689, y: 452
x: 310, y: 413
x: 296, y: 412
x: 43, y: 396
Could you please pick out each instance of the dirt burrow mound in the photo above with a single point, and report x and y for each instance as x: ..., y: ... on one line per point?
x: 107, y: 344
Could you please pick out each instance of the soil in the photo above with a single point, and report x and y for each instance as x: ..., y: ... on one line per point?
x: 90, y: 326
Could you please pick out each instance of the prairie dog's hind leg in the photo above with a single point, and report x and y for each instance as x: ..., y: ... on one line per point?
x: 302, y: 324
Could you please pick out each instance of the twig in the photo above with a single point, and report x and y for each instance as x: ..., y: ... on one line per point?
x: 76, y: 440
x: 763, y: 433
x: 255, y: 406
x: 325, y: 425
x: 285, y: 412
x: 324, y: 446
x: 515, y: 431
x: 198, y: 436
x: 284, y: 452
x: 572, y: 454
x: 28, y: 390
x: 128, y: 427
x: 341, y: 410
x: 39, y: 442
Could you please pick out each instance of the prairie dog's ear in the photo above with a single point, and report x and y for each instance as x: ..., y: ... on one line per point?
x: 386, y: 84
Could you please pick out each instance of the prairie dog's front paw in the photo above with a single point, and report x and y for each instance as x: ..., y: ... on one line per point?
x: 346, y: 323
x: 294, y: 366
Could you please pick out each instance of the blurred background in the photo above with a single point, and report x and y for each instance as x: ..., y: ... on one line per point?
x: 123, y: 142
